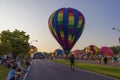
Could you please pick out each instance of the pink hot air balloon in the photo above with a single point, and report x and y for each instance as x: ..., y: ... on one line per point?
x: 77, y: 52
x: 106, y: 51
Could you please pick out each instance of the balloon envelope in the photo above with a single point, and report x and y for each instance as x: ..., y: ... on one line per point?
x: 66, y: 25
x: 106, y: 51
x: 77, y: 52
x: 92, y: 49
x: 58, y: 52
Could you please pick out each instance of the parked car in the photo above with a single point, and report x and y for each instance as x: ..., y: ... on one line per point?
x: 38, y: 55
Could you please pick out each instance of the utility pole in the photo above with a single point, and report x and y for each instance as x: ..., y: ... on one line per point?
x: 118, y: 37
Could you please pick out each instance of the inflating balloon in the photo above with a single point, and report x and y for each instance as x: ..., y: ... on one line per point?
x: 106, y: 51
x: 58, y: 52
x: 66, y: 26
x: 77, y: 52
x: 92, y: 49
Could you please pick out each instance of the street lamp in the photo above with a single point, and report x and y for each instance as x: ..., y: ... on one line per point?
x: 118, y: 31
x: 34, y: 41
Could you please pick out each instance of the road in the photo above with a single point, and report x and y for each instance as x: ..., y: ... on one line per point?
x: 48, y: 70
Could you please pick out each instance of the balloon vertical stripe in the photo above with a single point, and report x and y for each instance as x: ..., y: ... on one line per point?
x: 70, y: 26
x: 75, y: 25
x: 55, y: 22
x: 65, y: 24
x: 60, y: 24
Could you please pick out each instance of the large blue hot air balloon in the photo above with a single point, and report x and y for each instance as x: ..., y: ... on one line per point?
x: 66, y: 25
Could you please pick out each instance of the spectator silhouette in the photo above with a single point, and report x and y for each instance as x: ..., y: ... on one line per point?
x: 105, y: 60
x: 12, y: 73
x: 72, y: 61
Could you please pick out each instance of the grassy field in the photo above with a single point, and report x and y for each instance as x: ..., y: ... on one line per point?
x: 102, y: 69
x: 3, y: 72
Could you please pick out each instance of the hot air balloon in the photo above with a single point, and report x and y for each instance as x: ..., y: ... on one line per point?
x: 77, y: 53
x: 92, y: 50
x: 58, y: 52
x: 66, y: 26
x: 106, y: 51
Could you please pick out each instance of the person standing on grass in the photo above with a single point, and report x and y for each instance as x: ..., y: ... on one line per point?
x: 72, y: 61
x: 105, y: 60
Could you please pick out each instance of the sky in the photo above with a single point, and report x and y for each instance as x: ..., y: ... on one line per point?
x: 32, y: 17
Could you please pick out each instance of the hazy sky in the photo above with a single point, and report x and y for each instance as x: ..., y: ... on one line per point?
x: 32, y: 16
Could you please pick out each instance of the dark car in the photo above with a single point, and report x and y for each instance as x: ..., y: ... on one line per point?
x: 38, y: 55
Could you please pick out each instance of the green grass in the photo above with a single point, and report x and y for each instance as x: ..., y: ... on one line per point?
x: 3, y: 72
x: 102, y: 69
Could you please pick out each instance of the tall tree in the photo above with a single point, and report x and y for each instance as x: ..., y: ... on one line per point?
x: 15, y: 42
x: 116, y: 49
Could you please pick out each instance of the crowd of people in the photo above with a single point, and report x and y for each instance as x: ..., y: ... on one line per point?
x: 99, y: 59
x: 18, y: 67
x: 114, y: 60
